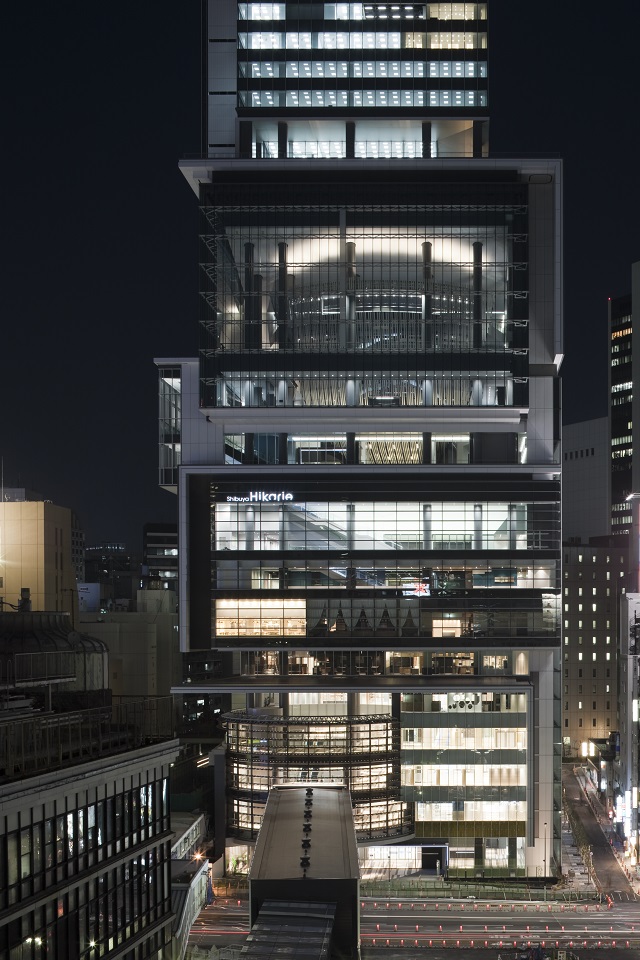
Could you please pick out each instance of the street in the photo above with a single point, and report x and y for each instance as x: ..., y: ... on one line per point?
x: 611, y: 877
x: 448, y: 927
x: 460, y: 924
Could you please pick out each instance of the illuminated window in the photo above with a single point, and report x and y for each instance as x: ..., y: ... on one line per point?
x: 261, y: 11
x: 256, y: 618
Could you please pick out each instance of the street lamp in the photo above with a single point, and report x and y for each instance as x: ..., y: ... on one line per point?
x: 544, y: 861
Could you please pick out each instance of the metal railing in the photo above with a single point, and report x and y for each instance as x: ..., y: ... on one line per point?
x: 46, y: 741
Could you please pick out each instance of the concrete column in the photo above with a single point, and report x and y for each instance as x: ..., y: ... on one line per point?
x: 508, y: 393
x: 426, y: 526
x: 477, y: 526
x: 427, y: 393
x: 426, y: 139
x: 350, y: 138
x: 426, y: 447
x: 513, y: 518
x: 282, y: 392
x: 283, y: 140
x: 477, y: 137
x: 427, y: 294
x: 247, y: 455
x: 282, y: 529
x: 245, y: 136
x: 282, y: 305
x: 490, y: 393
x: 351, y: 525
x: 477, y: 295
x: 352, y: 393
x: 342, y: 329
x: 476, y: 393
x: 249, y: 527
x: 350, y: 299
x: 251, y: 328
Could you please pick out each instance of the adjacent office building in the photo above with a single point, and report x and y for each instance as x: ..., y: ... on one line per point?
x: 594, y: 580
x: 593, y: 586
x: 40, y: 551
x: 366, y: 451
x: 621, y: 413
x: 624, y: 413
x: 586, y: 480
x: 85, y: 838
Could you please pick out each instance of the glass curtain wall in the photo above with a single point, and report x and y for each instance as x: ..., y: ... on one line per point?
x: 406, y: 306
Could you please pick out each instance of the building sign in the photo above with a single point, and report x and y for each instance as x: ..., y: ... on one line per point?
x: 261, y: 496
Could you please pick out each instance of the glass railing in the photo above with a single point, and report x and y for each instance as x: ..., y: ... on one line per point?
x: 363, y: 150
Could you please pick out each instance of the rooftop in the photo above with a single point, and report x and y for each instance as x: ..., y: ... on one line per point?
x: 306, y: 831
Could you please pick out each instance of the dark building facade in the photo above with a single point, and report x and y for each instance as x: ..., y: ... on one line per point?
x: 85, y: 838
x: 160, y: 556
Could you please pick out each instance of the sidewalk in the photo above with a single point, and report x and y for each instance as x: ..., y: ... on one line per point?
x: 607, y: 863
x: 599, y: 812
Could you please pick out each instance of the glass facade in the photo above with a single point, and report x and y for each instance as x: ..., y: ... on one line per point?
x: 360, y: 752
x: 92, y: 869
x: 453, y: 595
x: 170, y: 400
x: 374, y: 516
x: 393, y: 294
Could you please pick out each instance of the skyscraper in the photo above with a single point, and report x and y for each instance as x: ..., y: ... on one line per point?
x: 366, y: 450
x: 621, y: 413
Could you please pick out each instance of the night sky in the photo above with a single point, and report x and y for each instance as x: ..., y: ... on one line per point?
x: 100, y: 228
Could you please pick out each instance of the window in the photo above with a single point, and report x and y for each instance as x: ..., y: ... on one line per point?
x: 261, y: 11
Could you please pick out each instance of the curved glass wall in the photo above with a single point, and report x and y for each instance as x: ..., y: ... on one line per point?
x: 362, y: 752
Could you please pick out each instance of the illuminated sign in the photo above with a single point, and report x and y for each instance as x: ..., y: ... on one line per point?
x: 261, y: 496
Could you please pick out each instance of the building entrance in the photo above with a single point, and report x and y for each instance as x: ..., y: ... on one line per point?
x: 435, y: 859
